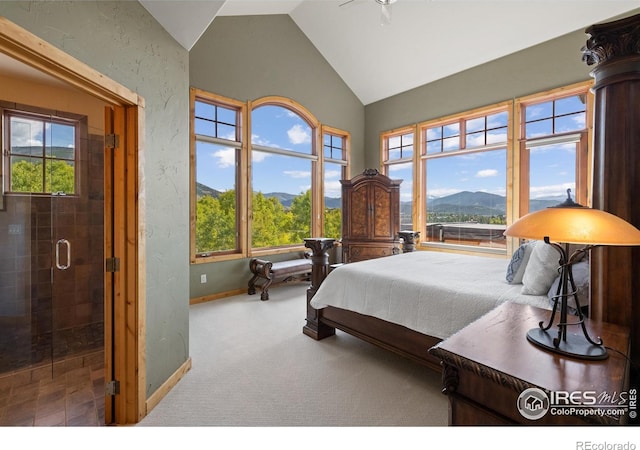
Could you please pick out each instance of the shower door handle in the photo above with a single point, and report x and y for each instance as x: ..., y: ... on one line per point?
x: 58, y: 245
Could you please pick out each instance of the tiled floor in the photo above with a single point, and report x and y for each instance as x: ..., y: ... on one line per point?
x: 69, y: 393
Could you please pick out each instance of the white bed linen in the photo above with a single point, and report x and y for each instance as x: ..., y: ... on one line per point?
x: 434, y: 293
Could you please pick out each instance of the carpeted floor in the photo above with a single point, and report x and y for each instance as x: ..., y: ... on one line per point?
x: 253, y: 366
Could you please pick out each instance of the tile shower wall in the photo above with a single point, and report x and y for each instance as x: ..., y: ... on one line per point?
x: 40, y: 320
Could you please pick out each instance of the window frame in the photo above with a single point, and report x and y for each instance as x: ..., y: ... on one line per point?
x: 386, y: 162
x: 244, y: 176
x: 517, y: 181
x: 343, y: 162
x: 240, y: 173
x: 583, y: 138
x: 313, y: 157
x: 44, y: 116
x: 423, y: 156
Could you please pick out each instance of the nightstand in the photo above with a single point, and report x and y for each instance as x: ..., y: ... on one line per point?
x: 494, y: 376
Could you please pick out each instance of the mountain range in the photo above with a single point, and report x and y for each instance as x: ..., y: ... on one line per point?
x: 283, y: 197
x: 481, y: 203
x: 477, y: 203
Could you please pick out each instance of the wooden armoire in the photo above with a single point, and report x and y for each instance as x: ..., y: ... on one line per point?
x: 370, y: 216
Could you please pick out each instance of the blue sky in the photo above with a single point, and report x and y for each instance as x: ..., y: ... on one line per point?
x: 553, y: 166
x: 28, y: 132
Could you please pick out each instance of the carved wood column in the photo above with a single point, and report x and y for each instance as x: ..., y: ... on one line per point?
x: 614, y: 50
x: 319, y: 271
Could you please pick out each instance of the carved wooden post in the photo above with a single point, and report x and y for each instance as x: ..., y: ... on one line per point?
x: 614, y: 49
x: 409, y: 240
x: 319, y: 271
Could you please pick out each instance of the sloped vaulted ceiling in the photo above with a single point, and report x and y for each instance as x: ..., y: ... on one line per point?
x: 425, y: 41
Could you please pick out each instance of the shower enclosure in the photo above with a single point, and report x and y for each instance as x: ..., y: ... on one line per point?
x: 52, y: 256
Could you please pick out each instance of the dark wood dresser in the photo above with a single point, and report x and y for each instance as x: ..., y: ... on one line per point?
x: 371, y: 216
x: 490, y: 368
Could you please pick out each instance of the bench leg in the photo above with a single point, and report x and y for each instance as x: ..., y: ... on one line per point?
x: 252, y: 285
x: 265, y: 289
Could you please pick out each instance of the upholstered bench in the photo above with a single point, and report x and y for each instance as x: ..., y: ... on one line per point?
x: 269, y: 271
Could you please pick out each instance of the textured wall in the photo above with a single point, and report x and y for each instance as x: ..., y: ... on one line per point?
x: 122, y: 41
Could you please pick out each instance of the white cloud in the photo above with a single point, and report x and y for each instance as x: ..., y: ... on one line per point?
x: 298, y: 135
x: 400, y: 167
x: 258, y: 156
x: 25, y: 132
x: 329, y: 174
x: 551, y: 190
x: 487, y: 173
x: 255, y: 139
x: 225, y: 157
x: 298, y: 173
x: 333, y: 189
x: 442, y: 192
x: 406, y: 191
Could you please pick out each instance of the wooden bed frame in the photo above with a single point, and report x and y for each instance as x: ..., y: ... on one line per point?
x: 322, y: 323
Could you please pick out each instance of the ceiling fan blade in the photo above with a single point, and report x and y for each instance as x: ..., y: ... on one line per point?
x: 385, y: 14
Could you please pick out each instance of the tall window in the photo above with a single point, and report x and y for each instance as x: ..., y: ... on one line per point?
x: 397, y: 162
x: 282, y: 163
x: 41, y: 153
x: 476, y: 171
x: 553, y: 148
x: 464, y: 160
x: 336, y: 164
x: 261, y: 185
x: 217, y: 134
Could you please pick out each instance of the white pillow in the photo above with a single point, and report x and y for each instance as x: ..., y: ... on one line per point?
x: 541, y: 270
x: 518, y: 263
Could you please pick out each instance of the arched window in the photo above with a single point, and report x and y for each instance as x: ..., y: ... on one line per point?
x: 284, y: 160
x: 265, y: 176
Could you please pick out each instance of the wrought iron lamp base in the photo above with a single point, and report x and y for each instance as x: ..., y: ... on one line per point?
x: 573, y: 345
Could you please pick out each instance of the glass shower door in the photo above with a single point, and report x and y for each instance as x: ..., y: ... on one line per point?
x: 77, y: 211
x: 19, y: 340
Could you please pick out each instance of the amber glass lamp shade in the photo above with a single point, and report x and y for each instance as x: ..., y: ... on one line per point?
x: 559, y: 226
x: 575, y: 225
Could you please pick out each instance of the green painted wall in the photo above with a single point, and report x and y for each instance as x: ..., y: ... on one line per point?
x: 122, y: 41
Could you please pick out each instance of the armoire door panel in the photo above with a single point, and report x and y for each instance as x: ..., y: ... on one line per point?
x: 382, y: 221
x: 360, y: 208
x: 371, y: 216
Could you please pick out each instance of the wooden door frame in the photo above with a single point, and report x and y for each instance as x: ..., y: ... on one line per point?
x: 128, y: 300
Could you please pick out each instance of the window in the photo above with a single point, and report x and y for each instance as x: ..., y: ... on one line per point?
x: 553, y: 148
x: 258, y: 184
x: 464, y: 161
x: 217, y: 149
x: 41, y: 153
x: 397, y: 162
x: 334, y: 148
x: 282, y: 163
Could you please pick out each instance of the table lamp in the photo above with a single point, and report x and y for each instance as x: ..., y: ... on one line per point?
x: 559, y: 226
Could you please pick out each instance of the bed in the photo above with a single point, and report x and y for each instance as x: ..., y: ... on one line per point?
x: 409, y: 302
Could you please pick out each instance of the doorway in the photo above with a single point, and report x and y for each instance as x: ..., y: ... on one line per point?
x: 52, y: 339
x: 113, y: 239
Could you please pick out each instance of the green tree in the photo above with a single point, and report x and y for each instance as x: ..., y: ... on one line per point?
x: 270, y: 224
x: 216, y: 222
x: 60, y: 177
x: 27, y: 176
x: 301, y: 217
x: 333, y: 223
